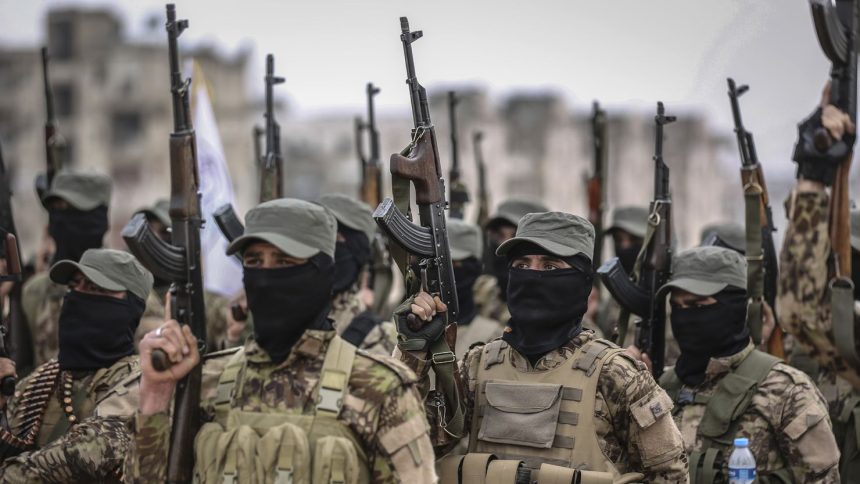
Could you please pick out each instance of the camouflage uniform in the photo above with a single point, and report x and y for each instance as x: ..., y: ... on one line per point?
x: 382, y: 403
x: 346, y: 306
x: 488, y: 298
x: 786, y: 422
x: 41, y: 300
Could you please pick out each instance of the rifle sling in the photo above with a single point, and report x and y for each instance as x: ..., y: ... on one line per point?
x: 444, y: 366
x: 842, y: 304
x: 755, y: 259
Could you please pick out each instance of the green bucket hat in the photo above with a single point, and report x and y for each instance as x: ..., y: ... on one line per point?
x: 705, y: 271
x: 84, y: 191
x: 160, y: 211
x: 464, y: 239
x: 560, y: 233
x: 855, y: 229
x: 109, y: 269
x: 631, y: 219
x: 351, y: 213
x: 513, y: 209
x: 298, y: 228
x: 729, y: 233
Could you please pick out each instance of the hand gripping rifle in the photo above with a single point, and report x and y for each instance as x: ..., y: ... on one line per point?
x: 483, y: 195
x: 761, y: 254
x: 16, y: 329
x: 178, y: 261
x: 596, y: 185
x: 55, y: 144
x: 271, y: 164
x: 459, y: 194
x: 638, y: 294
x: 837, y: 24
x: 419, y: 165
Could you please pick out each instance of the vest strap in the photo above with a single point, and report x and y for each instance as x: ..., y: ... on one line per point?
x: 334, y: 377
x: 226, y: 383
x: 494, y: 353
x: 592, y: 351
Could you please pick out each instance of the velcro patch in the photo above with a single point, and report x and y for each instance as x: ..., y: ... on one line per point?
x: 651, y: 408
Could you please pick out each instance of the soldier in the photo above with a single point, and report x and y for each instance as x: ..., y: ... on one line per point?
x: 466, y: 250
x: 724, y: 388
x: 548, y: 393
x: 100, y: 312
x: 803, y: 300
x: 490, y: 291
x: 368, y: 426
x: 353, y: 319
x: 77, y: 205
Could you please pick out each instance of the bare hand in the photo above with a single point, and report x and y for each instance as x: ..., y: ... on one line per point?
x: 640, y: 355
x: 425, y: 306
x: 835, y: 121
x: 180, y: 345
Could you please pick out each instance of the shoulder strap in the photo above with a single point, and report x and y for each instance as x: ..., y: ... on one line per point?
x: 756, y: 366
x: 494, y: 353
x: 334, y: 377
x: 590, y: 353
x: 226, y: 384
x: 359, y: 328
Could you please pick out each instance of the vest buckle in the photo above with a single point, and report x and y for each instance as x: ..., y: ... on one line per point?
x: 330, y: 400
x: 443, y: 358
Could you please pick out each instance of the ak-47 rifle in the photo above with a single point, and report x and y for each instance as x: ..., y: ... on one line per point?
x: 483, y: 195
x: 178, y: 261
x: 17, y: 332
x: 837, y: 24
x: 55, y: 144
x: 13, y: 274
x: 596, y: 186
x: 637, y: 294
x: 419, y: 165
x: 761, y: 254
x: 271, y: 163
x: 459, y: 193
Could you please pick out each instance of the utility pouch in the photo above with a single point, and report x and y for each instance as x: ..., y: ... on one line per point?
x: 593, y: 477
x: 505, y: 472
x: 283, y: 455
x: 226, y: 456
x: 728, y: 403
x: 550, y: 474
x: 521, y: 414
x: 335, y: 461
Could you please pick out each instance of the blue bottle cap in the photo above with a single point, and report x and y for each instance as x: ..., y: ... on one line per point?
x: 742, y: 442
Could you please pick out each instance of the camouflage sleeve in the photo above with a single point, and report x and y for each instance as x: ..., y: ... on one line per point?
x: 382, y: 339
x: 147, y: 461
x: 216, y: 321
x: 799, y: 413
x: 803, y: 299
x: 402, y: 451
x: 642, y: 430
x: 92, y: 451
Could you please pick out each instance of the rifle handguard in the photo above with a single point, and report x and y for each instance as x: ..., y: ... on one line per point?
x: 413, y: 238
x: 164, y: 260
x: 628, y: 294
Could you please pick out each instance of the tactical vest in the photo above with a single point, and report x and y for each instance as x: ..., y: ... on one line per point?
x: 274, y: 446
x: 540, y: 418
x: 723, y: 411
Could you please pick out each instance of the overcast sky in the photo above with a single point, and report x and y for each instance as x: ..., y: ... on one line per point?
x: 625, y: 53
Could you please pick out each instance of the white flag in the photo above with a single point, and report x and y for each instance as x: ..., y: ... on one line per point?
x: 222, y: 274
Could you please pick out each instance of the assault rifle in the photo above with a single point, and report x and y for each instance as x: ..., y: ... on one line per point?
x: 17, y: 332
x: 419, y: 165
x: 596, y: 186
x: 761, y: 253
x: 271, y: 164
x: 459, y: 194
x: 483, y: 195
x: 55, y: 144
x: 637, y: 294
x: 13, y: 274
x: 178, y: 261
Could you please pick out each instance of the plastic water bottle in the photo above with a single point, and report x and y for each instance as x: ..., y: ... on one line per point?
x: 741, y: 463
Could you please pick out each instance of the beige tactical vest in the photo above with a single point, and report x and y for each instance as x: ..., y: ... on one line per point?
x: 273, y: 446
x: 540, y: 416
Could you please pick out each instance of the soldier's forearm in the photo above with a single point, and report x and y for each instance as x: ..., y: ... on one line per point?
x: 151, y: 447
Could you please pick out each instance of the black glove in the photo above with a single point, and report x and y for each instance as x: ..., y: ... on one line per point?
x: 413, y: 333
x: 813, y: 164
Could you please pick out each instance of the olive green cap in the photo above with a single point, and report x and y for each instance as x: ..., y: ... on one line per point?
x: 705, y: 271
x: 560, y: 233
x: 160, y: 211
x: 513, y: 209
x: 84, y: 191
x: 730, y: 233
x: 464, y: 239
x: 631, y: 219
x: 351, y: 212
x: 296, y: 227
x: 109, y: 269
x: 855, y: 229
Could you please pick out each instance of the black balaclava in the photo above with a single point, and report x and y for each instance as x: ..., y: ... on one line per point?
x: 855, y: 272
x: 627, y: 256
x: 75, y: 231
x: 96, y: 330
x: 287, y: 301
x: 546, y: 306
x: 711, y: 331
x: 350, y: 257
x: 466, y: 272
x: 498, y: 265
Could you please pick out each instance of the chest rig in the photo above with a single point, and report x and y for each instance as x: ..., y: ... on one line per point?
x: 300, y: 445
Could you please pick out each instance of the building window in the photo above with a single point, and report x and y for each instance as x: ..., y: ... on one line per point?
x: 64, y: 100
x: 126, y: 127
x: 61, y: 37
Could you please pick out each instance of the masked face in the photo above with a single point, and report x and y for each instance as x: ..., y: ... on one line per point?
x: 546, y: 307
x: 76, y: 231
x: 709, y: 331
x: 286, y: 301
x: 97, y: 330
x: 466, y: 272
x: 351, y: 254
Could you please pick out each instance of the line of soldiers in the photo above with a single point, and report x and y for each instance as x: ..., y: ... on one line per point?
x: 309, y: 384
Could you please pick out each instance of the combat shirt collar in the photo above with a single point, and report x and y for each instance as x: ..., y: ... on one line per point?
x: 311, y: 345
x: 719, y: 367
x: 555, y: 357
